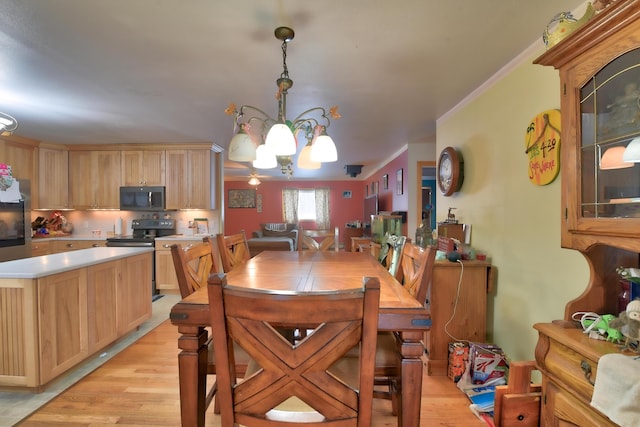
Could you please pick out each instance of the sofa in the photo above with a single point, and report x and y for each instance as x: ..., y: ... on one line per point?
x: 273, y: 237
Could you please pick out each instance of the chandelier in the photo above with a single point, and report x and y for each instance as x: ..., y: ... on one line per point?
x: 8, y: 124
x: 269, y: 142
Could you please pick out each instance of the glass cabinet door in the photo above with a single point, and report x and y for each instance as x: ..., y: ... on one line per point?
x: 610, y: 133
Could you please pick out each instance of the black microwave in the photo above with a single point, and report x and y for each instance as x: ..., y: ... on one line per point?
x: 142, y: 198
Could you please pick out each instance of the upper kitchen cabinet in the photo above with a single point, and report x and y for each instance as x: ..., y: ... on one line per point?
x: 53, y: 178
x: 94, y: 179
x: 599, y: 68
x: 20, y: 156
x: 190, y: 179
x: 143, y: 167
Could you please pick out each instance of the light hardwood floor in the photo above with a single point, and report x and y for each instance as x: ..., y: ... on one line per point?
x: 139, y: 387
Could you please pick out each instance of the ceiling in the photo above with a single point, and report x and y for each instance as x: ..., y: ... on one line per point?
x: 163, y: 71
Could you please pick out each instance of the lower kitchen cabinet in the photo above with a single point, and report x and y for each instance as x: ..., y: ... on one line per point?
x: 166, y: 280
x: 59, y: 320
x: 65, y: 245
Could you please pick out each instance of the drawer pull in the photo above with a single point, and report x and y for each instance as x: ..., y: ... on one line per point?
x: 586, y: 368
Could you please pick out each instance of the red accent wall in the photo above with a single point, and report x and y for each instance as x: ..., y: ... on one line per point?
x: 342, y: 210
x: 389, y: 199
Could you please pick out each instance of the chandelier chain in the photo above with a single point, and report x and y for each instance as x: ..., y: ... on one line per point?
x: 285, y: 70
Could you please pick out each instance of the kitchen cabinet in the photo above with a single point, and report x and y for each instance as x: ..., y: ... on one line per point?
x: 469, y: 305
x: 62, y: 314
x: 53, y: 179
x: 65, y: 245
x: 189, y: 179
x: 166, y: 280
x: 20, y: 156
x: 599, y: 66
x: 94, y: 179
x: 60, y: 319
x: 41, y: 247
x: 143, y: 167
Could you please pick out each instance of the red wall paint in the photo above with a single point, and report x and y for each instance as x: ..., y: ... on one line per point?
x: 341, y: 210
x: 389, y: 200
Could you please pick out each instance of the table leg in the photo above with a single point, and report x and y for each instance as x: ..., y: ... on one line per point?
x: 192, y: 372
x: 410, y: 384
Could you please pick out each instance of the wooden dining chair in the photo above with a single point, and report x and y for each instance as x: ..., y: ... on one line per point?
x: 234, y: 250
x: 391, y: 252
x: 416, y: 272
x: 194, y: 264
x: 294, y: 384
x: 319, y: 240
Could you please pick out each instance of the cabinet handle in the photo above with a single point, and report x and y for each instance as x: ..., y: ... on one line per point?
x: 166, y: 246
x: 96, y: 245
x: 586, y: 368
x: 69, y: 245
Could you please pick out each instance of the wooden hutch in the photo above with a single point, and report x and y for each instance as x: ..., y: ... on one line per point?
x: 599, y: 67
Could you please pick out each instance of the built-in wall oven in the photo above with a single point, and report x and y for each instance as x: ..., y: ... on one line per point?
x: 144, y: 232
x: 15, y: 226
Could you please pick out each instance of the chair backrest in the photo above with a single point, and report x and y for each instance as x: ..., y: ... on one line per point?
x: 193, y: 265
x: 391, y: 253
x: 416, y: 266
x: 319, y: 240
x: 234, y: 250
x: 306, y: 370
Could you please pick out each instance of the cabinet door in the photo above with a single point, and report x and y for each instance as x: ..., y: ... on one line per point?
x: 21, y: 158
x: 166, y: 280
x: 62, y: 314
x: 53, y: 178
x: 81, y: 189
x: 102, y: 322
x: 94, y: 179
x: 188, y: 179
x: 106, y: 179
x: 134, y: 292
x: 560, y: 408
x: 143, y: 167
x: 40, y: 247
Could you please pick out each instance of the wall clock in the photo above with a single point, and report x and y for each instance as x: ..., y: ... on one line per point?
x: 450, y: 171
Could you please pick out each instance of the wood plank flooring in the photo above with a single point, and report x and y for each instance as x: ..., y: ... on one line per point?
x: 139, y: 387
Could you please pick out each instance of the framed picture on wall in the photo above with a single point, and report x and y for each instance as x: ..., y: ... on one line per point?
x: 346, y: 194
x: 242, y: 198
x: 374, y: 187
x: 399, y: 184
x: 366, y: 190
x: 385, y: 182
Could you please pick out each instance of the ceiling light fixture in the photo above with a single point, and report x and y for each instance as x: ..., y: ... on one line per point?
x: 612, y: 159
x: 632, y: 152
x: 277, y: 138
x: 253, y: 180
x: 8, y: 124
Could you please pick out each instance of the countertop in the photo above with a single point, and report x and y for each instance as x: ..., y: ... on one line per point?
x: 193, y: 237
x: 46, y: 265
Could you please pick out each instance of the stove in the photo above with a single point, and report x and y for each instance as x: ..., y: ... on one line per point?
x: 144, y: 232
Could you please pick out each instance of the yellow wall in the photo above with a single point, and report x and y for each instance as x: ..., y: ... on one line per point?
x: 514, y: 221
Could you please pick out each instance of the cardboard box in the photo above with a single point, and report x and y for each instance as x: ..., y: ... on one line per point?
x: 487, y: 364
x: 458, y: 358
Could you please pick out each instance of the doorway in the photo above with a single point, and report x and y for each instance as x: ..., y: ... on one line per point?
x: 427, y: 195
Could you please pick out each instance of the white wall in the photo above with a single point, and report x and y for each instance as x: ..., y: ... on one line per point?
x: 515, y: 222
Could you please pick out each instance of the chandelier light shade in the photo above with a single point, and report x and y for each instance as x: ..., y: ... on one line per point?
x: 280, y: 140
x: 8, y: 124
x: 323, y: 149
x: 632, y: 152
x: 254, y: 180
x: 612, y: 159
x: 242, y: 148
x: 265, y: 159
x: 304, y: 159
x: 280, y: 134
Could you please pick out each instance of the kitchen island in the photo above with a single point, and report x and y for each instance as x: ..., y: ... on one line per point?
x: 58, y: 310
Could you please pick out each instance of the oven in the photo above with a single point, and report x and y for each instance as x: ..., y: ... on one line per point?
x: 15, y: 225
x: 144, y: 232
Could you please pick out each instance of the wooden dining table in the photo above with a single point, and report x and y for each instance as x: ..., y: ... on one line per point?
x: 305, y: 271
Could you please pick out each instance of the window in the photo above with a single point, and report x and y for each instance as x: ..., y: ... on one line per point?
x: 309, y: 205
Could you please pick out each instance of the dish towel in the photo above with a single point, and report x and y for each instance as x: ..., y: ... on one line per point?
x: 617, y: 389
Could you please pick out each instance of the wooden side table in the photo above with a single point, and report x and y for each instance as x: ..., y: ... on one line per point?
x: 350, y: 232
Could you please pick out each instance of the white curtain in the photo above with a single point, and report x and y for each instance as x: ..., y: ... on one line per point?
x: 322, y: 208
x: 290, y: 205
